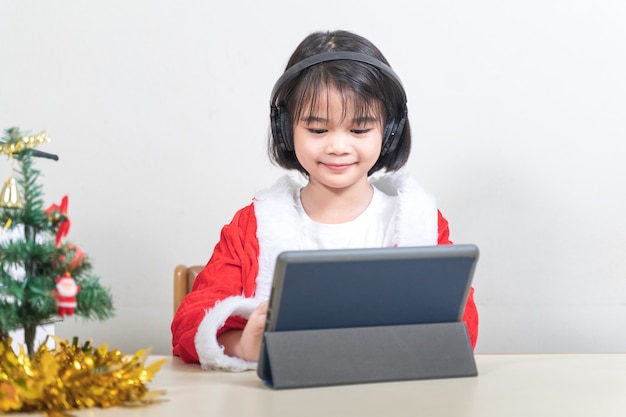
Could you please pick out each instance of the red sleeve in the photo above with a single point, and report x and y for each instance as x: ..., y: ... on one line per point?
x: 231, y: 271
x: 470, y: 315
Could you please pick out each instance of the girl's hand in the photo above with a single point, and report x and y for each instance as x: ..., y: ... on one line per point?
x: 246, y: 343
x: 252, y: 335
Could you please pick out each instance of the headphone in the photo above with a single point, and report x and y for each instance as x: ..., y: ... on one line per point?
x: 279, y: 117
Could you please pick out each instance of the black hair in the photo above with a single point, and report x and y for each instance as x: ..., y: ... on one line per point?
x: 364, y: 87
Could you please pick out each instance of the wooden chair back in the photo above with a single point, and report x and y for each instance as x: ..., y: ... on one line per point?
x: 184, y: 277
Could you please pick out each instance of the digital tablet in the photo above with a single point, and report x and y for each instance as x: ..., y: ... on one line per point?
x: 344, y: 288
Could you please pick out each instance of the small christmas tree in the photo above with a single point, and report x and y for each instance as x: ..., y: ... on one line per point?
x: 42, y: 277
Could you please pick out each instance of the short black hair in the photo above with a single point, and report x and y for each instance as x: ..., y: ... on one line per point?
x: 364, y: 85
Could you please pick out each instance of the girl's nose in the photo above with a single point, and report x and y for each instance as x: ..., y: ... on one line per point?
x: 337, y: 143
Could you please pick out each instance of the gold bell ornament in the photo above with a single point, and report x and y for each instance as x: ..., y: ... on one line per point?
x: 10, y: 196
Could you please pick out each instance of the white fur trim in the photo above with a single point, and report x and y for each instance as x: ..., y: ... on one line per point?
x: 210, y: 353
x: 416, y: 213
x: 278, y: 228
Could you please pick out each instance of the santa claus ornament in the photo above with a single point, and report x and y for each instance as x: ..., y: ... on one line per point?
x: 65, y: 293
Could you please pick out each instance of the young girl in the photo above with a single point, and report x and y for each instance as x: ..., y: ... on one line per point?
x: 338, y: 115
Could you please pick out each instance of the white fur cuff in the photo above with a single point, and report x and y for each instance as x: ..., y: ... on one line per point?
x: 210, y: 353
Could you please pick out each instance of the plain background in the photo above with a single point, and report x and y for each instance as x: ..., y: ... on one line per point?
x: 159, y: 113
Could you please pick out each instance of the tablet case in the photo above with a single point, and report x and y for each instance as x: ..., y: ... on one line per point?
x: 368, y: 315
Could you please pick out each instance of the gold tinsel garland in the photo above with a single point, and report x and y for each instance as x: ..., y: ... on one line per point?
x: 24, y: 142
x: 73, y: 376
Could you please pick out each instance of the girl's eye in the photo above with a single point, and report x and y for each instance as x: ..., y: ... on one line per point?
x: 318, y: 131
x: 360, y: 131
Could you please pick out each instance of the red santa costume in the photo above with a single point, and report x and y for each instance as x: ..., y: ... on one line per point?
x: 239, y: 274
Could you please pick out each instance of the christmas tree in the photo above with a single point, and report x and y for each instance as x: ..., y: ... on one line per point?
x: 43, y: 277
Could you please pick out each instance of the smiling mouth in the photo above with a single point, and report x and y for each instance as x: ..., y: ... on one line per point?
x: 337, y: 167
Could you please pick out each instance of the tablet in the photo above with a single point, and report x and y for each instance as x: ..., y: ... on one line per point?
x: 344, y: 288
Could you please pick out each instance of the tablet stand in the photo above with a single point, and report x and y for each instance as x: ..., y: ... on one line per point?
x: 308, y: 358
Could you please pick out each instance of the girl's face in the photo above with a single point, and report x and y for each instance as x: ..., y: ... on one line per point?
x: 336, y: 148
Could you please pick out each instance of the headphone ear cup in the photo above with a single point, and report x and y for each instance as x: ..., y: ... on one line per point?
x: 392, y: 134
x: 281, y: 128
x: 388, y: 136
x: 287, y: 132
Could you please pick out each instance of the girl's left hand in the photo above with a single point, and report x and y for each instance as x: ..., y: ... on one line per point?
x: 252, y: 334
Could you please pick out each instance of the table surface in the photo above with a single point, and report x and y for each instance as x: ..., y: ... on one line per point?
x: 507, y: 385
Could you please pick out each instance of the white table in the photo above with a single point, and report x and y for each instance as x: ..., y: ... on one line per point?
x: 507, y: 386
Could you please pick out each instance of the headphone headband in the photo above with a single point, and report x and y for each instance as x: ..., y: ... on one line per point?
x: 298, y: 67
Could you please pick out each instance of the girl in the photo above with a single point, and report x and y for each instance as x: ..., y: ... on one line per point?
x: 338, y: 116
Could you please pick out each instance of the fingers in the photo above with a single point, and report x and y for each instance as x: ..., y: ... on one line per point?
x: 262, y: 307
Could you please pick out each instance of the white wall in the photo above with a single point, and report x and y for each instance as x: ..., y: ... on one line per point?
x: 158, y: 111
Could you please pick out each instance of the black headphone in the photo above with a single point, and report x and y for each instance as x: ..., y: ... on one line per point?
x: 279, y: 117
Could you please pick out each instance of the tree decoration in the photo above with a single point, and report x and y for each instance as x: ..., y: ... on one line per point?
x: 65, y: 293
x: 34, y: 245
x: 10, y: 196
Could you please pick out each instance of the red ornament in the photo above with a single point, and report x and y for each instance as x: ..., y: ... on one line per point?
x: 65, y: 294
x: 56, y: 212
x: 75, y: 258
